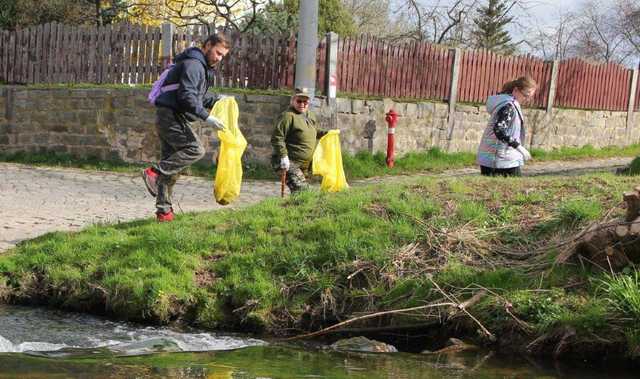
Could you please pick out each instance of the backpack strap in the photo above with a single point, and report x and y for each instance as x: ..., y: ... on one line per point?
x: 169, y: 87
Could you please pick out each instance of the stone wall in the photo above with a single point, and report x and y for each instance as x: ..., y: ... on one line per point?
x: 120, y: 124
x: 424, y: 125
x: 112, y: 123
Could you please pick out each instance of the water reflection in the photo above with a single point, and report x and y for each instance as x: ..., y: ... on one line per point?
x: 286, y: 362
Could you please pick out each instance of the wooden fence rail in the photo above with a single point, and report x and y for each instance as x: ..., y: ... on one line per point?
x: 132, y: 54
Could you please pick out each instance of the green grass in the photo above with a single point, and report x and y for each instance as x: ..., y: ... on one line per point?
x: 357, y: 96
x: 358, y: 166
x: 86, y: 86
x: 313, y: 259
x: 579, y: 211
x: 472, y: 212
x: 226, y: 90
x: 587, y: 151
x: 546, y: 310
x: 634, y: 167
x: 67, y: 160
x: 623, y: 291
x: 251, y: 170
x: 364, y: 164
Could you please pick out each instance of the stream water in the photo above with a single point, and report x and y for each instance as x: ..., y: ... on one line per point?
x: 43, y: 343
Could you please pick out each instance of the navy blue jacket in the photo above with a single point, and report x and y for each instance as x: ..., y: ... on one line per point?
x: 193, y: 75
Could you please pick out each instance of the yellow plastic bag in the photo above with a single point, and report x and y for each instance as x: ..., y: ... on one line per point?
x: 226, y: 187
x: 327, y: 161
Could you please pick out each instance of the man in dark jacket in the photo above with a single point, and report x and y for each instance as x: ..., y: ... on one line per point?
x: 188, y: 101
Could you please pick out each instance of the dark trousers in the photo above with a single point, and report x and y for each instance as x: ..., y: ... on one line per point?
x: 488, y: 171
x: 180, y: 148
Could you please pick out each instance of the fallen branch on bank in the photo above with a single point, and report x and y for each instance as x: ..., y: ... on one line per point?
x: 463, y: 308
x: 453, y: 303
x: 366, y: 317
x: 611, y: 244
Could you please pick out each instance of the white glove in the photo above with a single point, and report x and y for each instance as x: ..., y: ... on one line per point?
x: 525, y: 153
x: 284, y: 163
x: 214, y: 122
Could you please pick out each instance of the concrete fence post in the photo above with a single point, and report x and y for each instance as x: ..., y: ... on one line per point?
x: 632, y: 99
x: 553, y: 85
x: 306, y: 45
x: 168, y: 30
x: 453, y: 94
x: 331, y: 77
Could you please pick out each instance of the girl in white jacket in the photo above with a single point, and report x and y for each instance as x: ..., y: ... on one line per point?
x: 501, y: 151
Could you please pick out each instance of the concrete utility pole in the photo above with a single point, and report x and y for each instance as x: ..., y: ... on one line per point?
x: 331, y: 81
x: 307, y: 44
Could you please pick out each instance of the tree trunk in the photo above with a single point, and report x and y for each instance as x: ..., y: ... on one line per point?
x: 98, y: 12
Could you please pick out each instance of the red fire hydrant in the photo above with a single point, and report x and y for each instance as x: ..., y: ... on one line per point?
x: 392, y: 120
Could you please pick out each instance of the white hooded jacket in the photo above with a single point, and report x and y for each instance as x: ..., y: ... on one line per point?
x: 495, y: 152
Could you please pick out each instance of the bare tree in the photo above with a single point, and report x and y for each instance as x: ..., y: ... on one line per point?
x: 597, y: 37
x: 230, y: 13
x: 438, y: 23
x: 595, y: 31
x: 554, y: 42
x: 370, y: 16
x: 453, y: 29
x: 627, y: 16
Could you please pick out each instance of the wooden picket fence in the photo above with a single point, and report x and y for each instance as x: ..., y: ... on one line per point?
x: 369, y: 66
x: 255, y: 61
x: 589, y: 86
x: 131, y: 54
x: 482, y: 73
x: 56, y: 53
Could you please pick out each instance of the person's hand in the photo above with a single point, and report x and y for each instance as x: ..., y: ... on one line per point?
x: 284, y: 163
x: 525, y: 153
x: 214, y: 122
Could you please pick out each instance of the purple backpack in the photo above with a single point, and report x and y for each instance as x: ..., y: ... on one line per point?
x: 158, y: 88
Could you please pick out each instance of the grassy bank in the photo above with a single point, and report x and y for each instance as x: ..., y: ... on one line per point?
x: 309, y: 261
x: 358, y: 166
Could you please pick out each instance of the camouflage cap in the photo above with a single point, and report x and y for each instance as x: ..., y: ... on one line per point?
x: 302, y: 92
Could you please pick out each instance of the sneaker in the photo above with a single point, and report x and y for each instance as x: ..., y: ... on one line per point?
x: 164, y: 217
x: 150, y: 177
